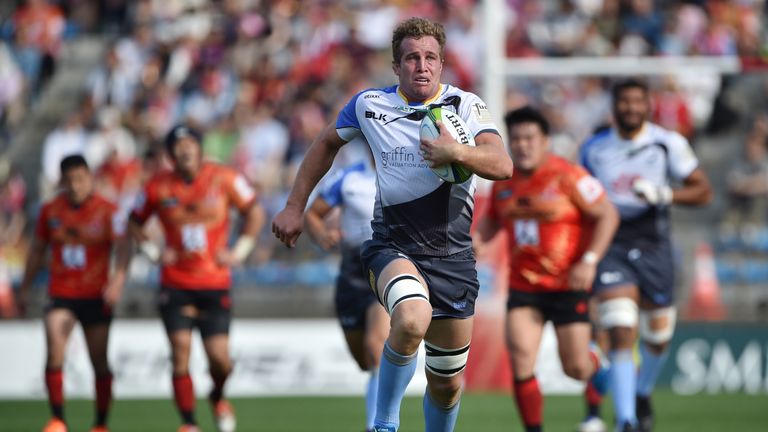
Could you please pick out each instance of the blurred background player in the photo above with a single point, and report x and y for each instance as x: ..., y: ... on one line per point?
x: 192, y: 203
x: 82, y: 229
x: 559, y: 224
x: 363, y: 319
x: 420, y: 259
x: 637, y: 161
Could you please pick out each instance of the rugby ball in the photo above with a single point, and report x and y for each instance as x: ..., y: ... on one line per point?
x: 451, y: 172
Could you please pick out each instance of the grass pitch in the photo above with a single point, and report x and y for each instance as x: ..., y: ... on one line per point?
x: 479, y: 413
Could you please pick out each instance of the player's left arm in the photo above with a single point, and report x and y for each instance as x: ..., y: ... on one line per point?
x: 695, y: 190
x: 123, y: 252
x: 488, y: 158
x: 594, y: 205
x: 243, y: 196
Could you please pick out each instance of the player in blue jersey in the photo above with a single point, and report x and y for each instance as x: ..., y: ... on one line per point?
x: 638, y: 163
x: 419, y: 260
x: 363, y: 319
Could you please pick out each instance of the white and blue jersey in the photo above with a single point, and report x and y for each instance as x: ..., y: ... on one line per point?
x: 354, y: 190
x: 655, y: 154
x: 415, y: 210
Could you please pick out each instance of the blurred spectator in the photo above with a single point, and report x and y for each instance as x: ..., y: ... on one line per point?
x: 212, y: 100
x: 747, y: 183
x: 113, y: 83
x: 263, y: 149
x: 643, y: 19
x: 670, y: 109
x: 11, y: 87
x: 111, y: 141
x: 67, y: 139
x: 40, y: 25
x: 13, y: 195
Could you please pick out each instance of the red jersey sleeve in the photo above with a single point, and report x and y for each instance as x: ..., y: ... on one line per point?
x: 584, y: 190
x: 239, y: 190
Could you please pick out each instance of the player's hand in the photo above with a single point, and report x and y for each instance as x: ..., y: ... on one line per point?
x: 225, y: 258
x: 653, y: 194
x: 442, y: 150
x: 169, y: 256
x: 328, y: 239
x: 287, y: 225
x: 114, y: 290
x: 582, y: 275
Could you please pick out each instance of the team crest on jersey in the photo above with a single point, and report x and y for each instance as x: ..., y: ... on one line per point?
x: 94, y: 228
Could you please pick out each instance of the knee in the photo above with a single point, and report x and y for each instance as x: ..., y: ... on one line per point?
x: 578, y: 370
x: 411, y: 321
x: 657, y: 327
x: 101, y: 367
x: 373, y: 347
x: 220, y: 366
x: 446, y: 392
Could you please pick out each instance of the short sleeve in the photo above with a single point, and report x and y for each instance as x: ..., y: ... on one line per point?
x: 476, y: 115
x: 682, y: 159
x: 347, y: 117
x: 583, y: 190
x: 240, y: 191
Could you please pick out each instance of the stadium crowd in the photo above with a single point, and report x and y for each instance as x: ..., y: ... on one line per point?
x: 261, y: 78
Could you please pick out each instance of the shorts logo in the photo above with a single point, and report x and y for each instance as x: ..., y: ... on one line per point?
x: 372, y: 280
x: 610, y: 277
x: 581, y: 307
x: 460, y: 305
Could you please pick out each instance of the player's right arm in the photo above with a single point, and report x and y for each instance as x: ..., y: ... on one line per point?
x: 287, y: 224
x: 142, y: 211
x: 35, y: 260
x: 326, y: 237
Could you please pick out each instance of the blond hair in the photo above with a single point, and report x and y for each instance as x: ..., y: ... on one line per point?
x: 416, y: 28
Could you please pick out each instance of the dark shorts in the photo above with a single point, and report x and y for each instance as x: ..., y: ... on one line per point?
x: 651, y: 269
x: 559, y: 307
x: 213, y: 310
x: 451, y: 280
x: 353, y: 294
x: 87, y: 311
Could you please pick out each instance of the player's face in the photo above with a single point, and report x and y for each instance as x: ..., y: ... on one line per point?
x: 631, y: 108
x: 187, y: 155
x: 78, y: 184
x: 419, y: 68
x: 528, y: 146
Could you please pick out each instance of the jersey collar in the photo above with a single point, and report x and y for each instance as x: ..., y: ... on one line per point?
x: 639, y: 137
x: 426, y: 102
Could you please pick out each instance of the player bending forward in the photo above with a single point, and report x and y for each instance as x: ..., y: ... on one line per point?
x: 192, y: 202
x: 82, y: 230
x: 559, y: 224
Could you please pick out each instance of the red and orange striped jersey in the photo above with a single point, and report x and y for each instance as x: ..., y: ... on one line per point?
x: 81, y: 239
x: 195, y: 220
x: 543, y: 216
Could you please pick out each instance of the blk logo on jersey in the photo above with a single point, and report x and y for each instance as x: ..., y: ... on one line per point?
x: 376, y: 116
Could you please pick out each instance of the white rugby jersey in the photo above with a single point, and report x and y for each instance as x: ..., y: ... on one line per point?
x: 416, y: 210
x: 354, y: 190
x: 656, y: 154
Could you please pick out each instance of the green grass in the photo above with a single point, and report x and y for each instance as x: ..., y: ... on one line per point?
x: 479, y: 413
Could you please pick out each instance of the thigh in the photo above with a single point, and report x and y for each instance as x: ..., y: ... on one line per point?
x: 217, y: 350
x: 453, y: 284
x: 352, y: 300
x: 177, y: 309
x: 523, y: 328
x: 615, y: 271
x: 656, y: 270
x: 573, y: 341
x: 59, y: 321
x: 214, y: 312
x: 383, y: 263
x: 356, y: 344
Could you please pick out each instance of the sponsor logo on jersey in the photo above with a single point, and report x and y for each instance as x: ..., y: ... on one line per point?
x: 401, y: 157
x: 589, y: 188
x: 54, y: 223
x: 504, y: 194
x: 481, y: 113
x: 376, y: 116
x: 371, y: 96
x: 169, y: 202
